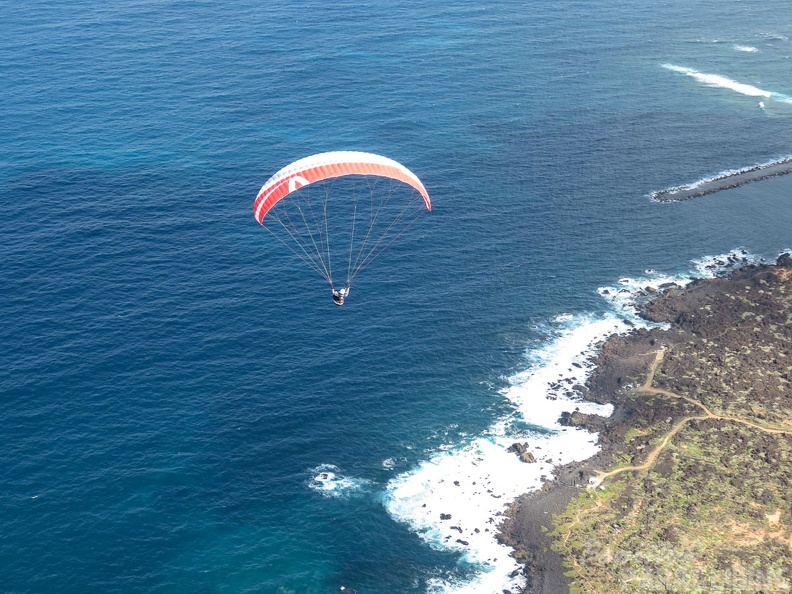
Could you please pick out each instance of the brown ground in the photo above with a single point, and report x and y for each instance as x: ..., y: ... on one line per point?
x: 726, y: 367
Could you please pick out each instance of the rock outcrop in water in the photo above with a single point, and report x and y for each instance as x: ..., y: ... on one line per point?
x: 724, y: 182
x: 521, y: 449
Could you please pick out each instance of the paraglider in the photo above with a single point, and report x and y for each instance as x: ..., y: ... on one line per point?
x: 342, y: 209
x: 340, y: 295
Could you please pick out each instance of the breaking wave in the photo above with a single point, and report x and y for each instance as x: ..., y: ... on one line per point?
x: 455, y: 499
x: 328, y: 480
x: 716, y: 80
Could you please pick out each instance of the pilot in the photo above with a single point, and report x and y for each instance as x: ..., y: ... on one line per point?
x: 340, y: 295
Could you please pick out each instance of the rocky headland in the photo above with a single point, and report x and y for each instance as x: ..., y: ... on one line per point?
x: 692, y: 487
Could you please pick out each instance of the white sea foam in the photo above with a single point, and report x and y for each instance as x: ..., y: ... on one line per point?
x: 775, y: 37
x: 327, y: 480
x: 391, y: 463
x: 745, y: 48
x: 631, y: 292
x: 470, y: 484
x: 455, y: 499
x: 716, y: 80
x: 714, y: 266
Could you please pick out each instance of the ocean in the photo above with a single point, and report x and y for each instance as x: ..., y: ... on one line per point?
x: 183, y: 407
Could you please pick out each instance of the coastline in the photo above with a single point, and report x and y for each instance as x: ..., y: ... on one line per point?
x: 700, y: 311
x: 725, y: 181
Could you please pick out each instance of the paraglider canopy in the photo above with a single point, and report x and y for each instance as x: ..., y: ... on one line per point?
x: 326, y: 166
x: 342, y: 206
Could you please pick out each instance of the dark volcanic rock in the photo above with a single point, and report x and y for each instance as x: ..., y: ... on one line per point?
x: 718, y: 311
x: 579, y: 419
x: 521, y: 449
x: 725, y: 182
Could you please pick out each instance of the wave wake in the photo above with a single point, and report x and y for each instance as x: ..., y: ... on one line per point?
x: 717, y: 80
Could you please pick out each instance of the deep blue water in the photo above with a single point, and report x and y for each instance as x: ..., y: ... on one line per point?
x: 170, y: 377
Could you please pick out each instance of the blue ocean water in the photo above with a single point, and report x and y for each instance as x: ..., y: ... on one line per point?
x: 173, y: 381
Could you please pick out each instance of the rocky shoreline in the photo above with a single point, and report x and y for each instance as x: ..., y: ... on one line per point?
x: 700, y: 313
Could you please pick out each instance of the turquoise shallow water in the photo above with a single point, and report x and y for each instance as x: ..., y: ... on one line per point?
x: 172, y: 379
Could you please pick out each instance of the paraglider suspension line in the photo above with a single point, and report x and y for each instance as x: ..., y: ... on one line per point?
x: 312, y: 241
x: 325, y: 265
x: 373, y: 217
x: 305, y: 256
x: 373, y: 256
x: 372, y: 253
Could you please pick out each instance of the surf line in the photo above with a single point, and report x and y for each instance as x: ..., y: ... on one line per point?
x: 725, y: 181
x: 716, y: 80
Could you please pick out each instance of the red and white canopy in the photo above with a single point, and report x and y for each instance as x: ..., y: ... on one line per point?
x: 329, y: 165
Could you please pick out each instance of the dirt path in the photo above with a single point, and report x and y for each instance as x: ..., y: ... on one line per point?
x: 647, y: 387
